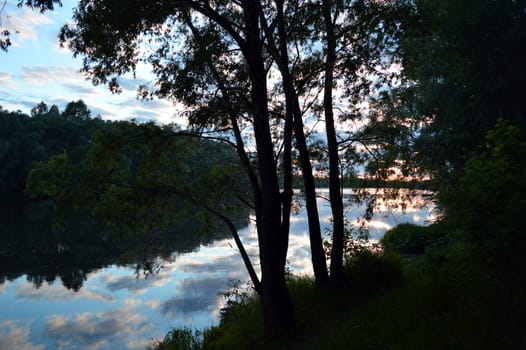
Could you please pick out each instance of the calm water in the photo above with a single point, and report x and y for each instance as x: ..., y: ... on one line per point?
x: 113, y: 307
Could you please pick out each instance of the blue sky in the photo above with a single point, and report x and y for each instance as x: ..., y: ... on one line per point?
x: 36, y: 69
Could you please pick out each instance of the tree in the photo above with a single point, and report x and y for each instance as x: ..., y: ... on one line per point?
x: 486, y: 201
x: 26, y: 139
x: 77, y: 109
x: 278, y: 45
x: 111, y: 50
x: 332, y: 143
x: 40, y: 109
x: 356, y: 38
x: 462, y: 105
x: 215, y: 58
x: 464, y: 64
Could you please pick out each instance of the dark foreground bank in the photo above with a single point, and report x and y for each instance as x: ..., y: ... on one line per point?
x: 426, y: 290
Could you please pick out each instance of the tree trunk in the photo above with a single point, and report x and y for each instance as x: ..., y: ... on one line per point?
x: 334, y: 170
x: 319, y: 262
x: 273, y: 242
x: 288, y: 191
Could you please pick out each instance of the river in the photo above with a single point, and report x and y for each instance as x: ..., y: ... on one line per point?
x: 124, y: 306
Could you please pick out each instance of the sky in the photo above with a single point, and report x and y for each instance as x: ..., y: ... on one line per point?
x: 36, y: 69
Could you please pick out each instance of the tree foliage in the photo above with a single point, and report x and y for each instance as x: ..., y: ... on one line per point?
x: 464, y: 64
x: 125, y: 174
x: 141, y: 178
x: 25, y: 139
x: 487, y: 201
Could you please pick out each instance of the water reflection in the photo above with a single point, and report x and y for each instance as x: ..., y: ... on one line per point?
x: 30, y: 248
x: 97, y: 330
x: 14, y: 336
x: 113, y: 309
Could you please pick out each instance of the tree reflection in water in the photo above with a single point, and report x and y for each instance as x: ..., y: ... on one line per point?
x: 29, y: 246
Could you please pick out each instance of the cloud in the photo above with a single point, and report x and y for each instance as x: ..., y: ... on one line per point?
x: 228, y: 266
x: 26, y: 22
x: 135, y: 285
x: 47, y: 292
x: 44, y: 75
x: 81, y: 88
x: 299, y: 254
x: 153, y: 304
x: 194, y: 296
x: 147, y: 110
x: 14, y: 337
x: 99, y: 330
x: 6, y: 79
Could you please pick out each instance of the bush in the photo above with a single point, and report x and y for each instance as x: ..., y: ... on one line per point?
x: 406, y: 239
x: 486, y: 202
x: 179, y: 339
x: 367, y: 271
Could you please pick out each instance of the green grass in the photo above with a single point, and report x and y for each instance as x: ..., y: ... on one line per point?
x: 450, y: 298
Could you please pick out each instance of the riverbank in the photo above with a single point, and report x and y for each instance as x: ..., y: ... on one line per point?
x: 450, y: 297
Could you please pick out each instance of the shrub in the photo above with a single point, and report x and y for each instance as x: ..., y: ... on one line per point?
x: 367, y: 271
x: 486, y: 202
x: 405, y: 239
x: 179, y: 339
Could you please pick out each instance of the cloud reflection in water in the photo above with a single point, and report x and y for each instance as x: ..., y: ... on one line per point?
x: 54, y: 292
x: 116, y: 310
x: 13, y: 337
x: 93, y: 331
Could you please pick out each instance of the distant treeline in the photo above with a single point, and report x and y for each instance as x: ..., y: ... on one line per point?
x: 25, y: 139
x: 357, y: 182
x: 28, y: 243
x: 48, y: 131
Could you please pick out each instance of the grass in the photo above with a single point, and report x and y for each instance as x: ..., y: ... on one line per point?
x: 447, y: 299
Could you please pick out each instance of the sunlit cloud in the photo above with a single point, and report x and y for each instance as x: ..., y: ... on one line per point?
x: 377, y: 224
x: 299, y: 255
x: 132, y: 302
x: 13, y: 336
x: 153, y: 304
x: 130, y: 84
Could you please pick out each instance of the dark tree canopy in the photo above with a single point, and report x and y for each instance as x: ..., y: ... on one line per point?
x: 25, y: 139
x: 465, y: 61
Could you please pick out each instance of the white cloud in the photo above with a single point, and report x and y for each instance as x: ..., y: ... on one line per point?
x: 25, y: 22
x: 14, y: 337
